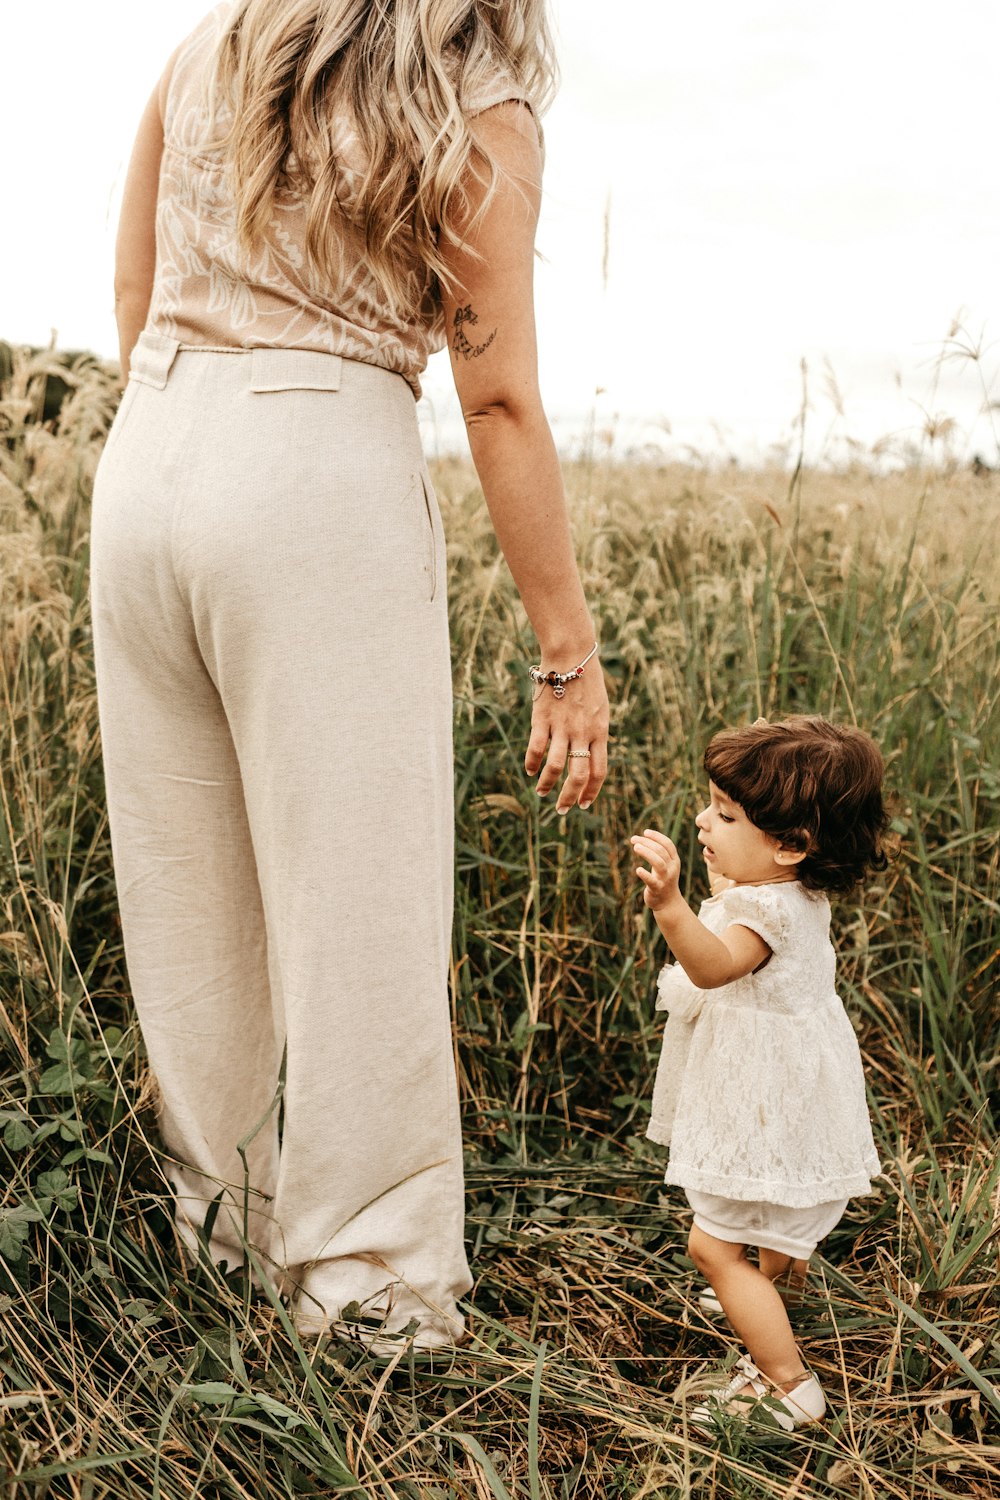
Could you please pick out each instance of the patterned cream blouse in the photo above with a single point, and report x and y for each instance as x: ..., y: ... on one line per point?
x: 208, y: 292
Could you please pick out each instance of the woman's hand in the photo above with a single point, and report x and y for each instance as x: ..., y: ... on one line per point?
x: 662, y: 879
x: 578, y: 721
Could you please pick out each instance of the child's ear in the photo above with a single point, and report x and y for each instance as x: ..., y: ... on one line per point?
x: 788, y: 854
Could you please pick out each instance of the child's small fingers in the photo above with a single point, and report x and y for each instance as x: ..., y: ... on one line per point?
x: 647, y: 849
x: 659, y: 838
x: 662, y: 854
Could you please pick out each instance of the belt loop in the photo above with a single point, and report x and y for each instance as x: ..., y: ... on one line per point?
x: 152, y: 357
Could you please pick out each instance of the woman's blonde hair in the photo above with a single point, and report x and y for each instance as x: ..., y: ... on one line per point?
x: 402, y: 70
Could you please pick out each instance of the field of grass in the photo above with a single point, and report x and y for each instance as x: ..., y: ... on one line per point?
x: 720, y: 596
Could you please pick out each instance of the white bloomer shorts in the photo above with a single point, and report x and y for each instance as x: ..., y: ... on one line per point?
x: 774, y: 1226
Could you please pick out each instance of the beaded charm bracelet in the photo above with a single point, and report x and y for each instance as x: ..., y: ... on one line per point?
x: 557, y: 680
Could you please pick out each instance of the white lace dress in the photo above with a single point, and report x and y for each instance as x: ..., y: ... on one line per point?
x: 760, y: 1092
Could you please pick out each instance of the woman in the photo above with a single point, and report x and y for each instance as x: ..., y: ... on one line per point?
x: 320, y: 191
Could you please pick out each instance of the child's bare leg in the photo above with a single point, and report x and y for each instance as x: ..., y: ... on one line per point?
x: 753, y: 1306
x: 788, y: 1275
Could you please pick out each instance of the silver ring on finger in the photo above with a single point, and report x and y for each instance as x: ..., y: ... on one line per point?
x: 583, y: 754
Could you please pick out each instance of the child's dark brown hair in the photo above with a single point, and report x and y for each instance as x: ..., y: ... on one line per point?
x: 811, y: 785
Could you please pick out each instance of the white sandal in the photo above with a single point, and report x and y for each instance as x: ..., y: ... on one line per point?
x: 747, y: 1395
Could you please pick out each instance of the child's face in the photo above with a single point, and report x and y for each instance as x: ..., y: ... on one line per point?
x: 736, y: 848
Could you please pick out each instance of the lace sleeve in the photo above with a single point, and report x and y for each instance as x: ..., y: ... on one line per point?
x: 760, y: 908
x: 676, y: 994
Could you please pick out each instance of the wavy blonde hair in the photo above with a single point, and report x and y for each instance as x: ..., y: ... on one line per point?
x: 401, y: 69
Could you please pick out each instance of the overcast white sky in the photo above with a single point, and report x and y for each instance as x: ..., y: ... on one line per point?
x: 789, y: 179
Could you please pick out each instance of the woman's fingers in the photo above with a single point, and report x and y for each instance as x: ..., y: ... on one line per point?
x: 586, y: 767
x: 554, y: 762
x: 597, y: 771
x: 577, y: 780
x: 585, y: 773
x: 537, y: 741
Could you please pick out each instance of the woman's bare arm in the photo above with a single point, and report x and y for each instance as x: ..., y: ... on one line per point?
x: 135, y: 247
x: 491, y: 339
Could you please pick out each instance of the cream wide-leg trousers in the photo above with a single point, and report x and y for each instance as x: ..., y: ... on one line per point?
x: 274, y: 688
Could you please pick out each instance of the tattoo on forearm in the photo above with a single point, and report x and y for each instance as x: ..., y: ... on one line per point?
x: 460, y: 342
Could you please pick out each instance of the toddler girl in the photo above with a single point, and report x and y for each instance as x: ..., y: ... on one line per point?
x: 760, y: 1092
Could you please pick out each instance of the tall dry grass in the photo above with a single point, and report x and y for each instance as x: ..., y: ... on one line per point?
x: 720, y: 596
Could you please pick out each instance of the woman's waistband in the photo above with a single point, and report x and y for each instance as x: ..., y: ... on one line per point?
x: 154, y: 357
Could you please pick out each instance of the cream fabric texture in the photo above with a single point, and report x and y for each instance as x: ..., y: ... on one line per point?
x: 274, y: 686
x: 210, y: 292
x: 760, y: 1091
x: 771, y: 1226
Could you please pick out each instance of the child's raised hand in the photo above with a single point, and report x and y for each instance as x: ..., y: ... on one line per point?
x: 662, y: 879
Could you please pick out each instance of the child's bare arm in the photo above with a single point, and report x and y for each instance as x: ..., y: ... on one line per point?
x: 707, y: 960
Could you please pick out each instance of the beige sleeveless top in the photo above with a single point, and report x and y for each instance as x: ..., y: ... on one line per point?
x: 208, y: 292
